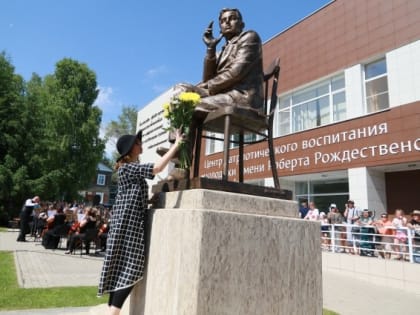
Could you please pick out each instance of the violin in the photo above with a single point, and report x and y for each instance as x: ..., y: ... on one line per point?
x: 75, y: 227
x: 103, y: 229
x: 49, y: 225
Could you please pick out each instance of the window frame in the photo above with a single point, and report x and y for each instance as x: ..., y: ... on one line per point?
x: 370, y: 108
x: 101, y: 179
x: 328, y: 93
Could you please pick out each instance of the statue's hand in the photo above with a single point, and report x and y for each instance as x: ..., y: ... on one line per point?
x: 209, y: 39
x: 187, y: 87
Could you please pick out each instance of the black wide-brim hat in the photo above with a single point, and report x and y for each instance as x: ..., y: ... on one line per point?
x: 126, y: 142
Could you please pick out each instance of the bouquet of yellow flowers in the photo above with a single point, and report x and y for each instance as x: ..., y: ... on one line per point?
x: 179, y: 112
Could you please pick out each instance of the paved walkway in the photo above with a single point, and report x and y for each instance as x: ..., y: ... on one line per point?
x: 349, y: 296
x: 38, y: 267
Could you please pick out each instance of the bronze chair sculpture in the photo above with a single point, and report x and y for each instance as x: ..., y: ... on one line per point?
x: 230, y: 120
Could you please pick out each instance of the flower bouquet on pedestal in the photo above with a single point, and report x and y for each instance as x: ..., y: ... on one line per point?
x: 179, y: 113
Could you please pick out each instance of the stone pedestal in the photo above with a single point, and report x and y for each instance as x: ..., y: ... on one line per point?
x: 217, y: 253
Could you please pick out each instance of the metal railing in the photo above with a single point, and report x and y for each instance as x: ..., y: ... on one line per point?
x: 367, y: 241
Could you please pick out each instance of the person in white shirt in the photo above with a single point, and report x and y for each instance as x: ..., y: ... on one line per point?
x: 352, y: 215
x: 313, y: 213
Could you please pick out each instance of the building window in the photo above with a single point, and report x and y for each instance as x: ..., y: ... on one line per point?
x: 211, y: 143
x: 324, y: 192
x: 376, y: 86
x: 248, y: 137
x: 317, y: 105
x: 101, y: 180
x: 213, y: 146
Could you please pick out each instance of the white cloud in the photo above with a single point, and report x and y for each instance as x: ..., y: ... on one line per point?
x: 111, y: 108
x: 158, y: 88
x: 104, y: 98
x: 109, y: 145
x: 157, y: 71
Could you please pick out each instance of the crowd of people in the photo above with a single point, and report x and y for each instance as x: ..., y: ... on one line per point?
x: 359, y: 232
x: 52, y: 222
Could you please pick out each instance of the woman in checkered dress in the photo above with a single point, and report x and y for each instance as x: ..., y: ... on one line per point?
x: 124, y: 257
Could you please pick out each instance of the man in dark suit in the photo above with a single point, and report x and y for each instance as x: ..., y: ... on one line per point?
x: 233, y: 76
x: 25, y: 217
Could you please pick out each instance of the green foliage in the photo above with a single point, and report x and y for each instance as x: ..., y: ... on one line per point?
x: 14, y: 298
x: 126, y: 124
x: 49, y: 136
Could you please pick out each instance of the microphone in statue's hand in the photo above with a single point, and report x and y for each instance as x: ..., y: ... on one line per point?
x: 208, y: 34
x: 208, y: 37
x: 210, y: 28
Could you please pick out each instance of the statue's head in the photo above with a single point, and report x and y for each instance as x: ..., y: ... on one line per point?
x: 230, y: 22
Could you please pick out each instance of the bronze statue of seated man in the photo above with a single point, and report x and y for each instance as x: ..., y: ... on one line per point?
x: 233, y: 76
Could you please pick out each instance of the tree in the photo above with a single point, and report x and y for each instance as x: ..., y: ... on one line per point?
x: 126, y: 124
x: 12, y: 135
x: 49, y: 135
x: 76, y: 146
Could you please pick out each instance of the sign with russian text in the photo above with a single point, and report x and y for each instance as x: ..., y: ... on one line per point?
x: 387, y: 137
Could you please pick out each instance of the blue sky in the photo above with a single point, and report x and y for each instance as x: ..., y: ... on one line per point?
x: 138, y: 49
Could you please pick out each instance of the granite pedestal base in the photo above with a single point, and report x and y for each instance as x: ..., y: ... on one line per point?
x: 229, y: 254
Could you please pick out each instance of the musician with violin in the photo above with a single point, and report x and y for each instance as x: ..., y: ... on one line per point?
x: 56, y: 226
x: 102, y: 235
x: 78, y: 232
x: 41, y: 223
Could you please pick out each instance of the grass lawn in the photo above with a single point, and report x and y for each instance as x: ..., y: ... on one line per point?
x: 14, y: 298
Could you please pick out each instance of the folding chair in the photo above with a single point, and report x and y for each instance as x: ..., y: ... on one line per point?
x: 233, y: 120
x: 90, y: 235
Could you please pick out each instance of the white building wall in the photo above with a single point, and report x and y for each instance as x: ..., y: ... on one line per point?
x: 354, y: 91
x: 367, y: 188
x: 358, y: 186
x: 150, y: 120
x: 376, y: 191
x: 403, y: 65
